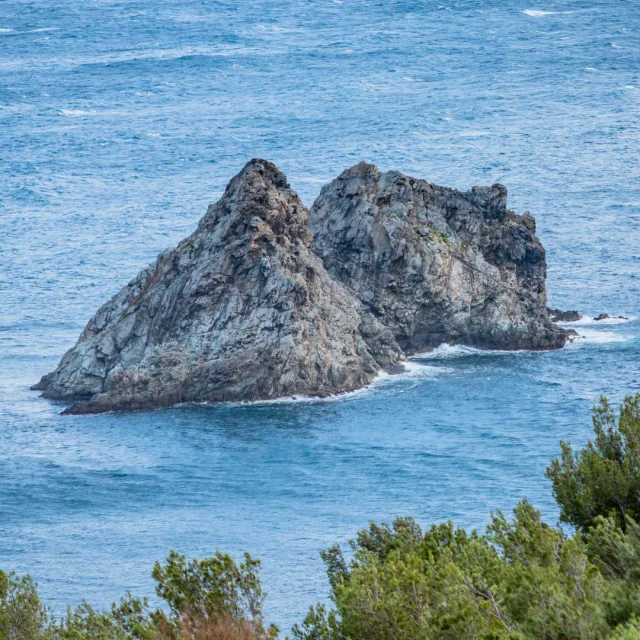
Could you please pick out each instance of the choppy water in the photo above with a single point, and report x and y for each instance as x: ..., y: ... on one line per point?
x: 121, y: 120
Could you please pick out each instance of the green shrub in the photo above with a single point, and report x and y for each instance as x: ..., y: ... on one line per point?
x: 521, y: 579
x: 603, y: 478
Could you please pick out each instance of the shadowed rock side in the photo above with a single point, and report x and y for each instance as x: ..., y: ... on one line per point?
x: 434, y: 264
x: 240, y: 310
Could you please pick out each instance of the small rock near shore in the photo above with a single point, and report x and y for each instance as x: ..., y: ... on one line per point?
x: 556, y: 315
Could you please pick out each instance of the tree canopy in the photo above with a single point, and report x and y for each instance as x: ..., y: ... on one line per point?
x: 603, y: 478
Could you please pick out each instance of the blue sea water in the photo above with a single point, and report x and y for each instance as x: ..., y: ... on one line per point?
x: 121, y: 120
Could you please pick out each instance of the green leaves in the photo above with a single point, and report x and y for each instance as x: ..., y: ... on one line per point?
x: 22, y: 614
x: 207, y: 599
x: 604, y: 477
x: 216, y: 585
x: 521, y: 579
x: 215, y: 588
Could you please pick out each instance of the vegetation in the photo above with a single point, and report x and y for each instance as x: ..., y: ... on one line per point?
x: 211, y: 599
x: 603, y: 479
x: 521, y: 579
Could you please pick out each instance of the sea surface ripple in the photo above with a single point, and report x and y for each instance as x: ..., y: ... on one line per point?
x: 121, y: 120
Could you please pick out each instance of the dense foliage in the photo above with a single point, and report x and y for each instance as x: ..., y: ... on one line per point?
x: 521, y: 579
x: 211, y: 599
x: 603, y: 478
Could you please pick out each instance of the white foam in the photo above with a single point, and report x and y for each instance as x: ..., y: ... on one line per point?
x: 589, y: 321
x: 413, y: 371
x: 588, y: 334
x: 5, y: 30
x: 593, y: 336
x: 590, y: 69
x: 445, y: 351
x: 73, y: 112
x: 536, y: 13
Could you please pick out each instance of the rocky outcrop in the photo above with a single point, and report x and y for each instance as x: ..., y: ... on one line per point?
x: 244, y: 309
x: 606, y: 316
x: 434, y: 264
x: 557, y: 315
x: 240, y: 310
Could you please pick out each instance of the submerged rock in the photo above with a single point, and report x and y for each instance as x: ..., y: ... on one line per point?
x: 556, y: 315
x: 606, y: 316
x: 240, y: 310
x: 434, y: 264
x: 243, y: 309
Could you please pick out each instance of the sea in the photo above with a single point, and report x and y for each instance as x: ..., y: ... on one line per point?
x: 121, y: 120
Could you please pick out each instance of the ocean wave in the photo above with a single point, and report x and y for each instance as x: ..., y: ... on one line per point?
x: 536, y: 13
x: 445, y: 351
x: 8, y: 30
x: 413, y: 372
x: 589, y: 321
x: 73, y: 112
x: 174, y: 54
x: 593, y: 336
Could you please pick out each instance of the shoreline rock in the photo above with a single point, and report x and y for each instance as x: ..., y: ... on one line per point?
x: 606, y: 316
x: 556, y: 315
x: 243, y: 309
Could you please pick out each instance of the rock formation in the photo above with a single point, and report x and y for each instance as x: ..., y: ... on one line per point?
x: 243, y: 309
x: 606, y: 316
x: 240, y: 310
x: 557, y: 315
x: 435, y: 264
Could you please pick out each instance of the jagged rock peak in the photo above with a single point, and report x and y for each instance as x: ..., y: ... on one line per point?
x: 435, y: 264
x: 240, y: 310
x: 260, y: 195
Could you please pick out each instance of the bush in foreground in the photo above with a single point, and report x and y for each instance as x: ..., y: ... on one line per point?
x: 519, y: 580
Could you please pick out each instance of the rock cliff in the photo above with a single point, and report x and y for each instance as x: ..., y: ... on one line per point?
x: 240, y: 310
x: 243, y: 309
x: 434, y: 264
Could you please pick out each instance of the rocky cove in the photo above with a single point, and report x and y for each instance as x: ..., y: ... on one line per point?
x: 267, y: 299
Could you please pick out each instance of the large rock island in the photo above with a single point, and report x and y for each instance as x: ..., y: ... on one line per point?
x: 243, y: 309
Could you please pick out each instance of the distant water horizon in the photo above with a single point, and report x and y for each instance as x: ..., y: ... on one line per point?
x: 120, y: 122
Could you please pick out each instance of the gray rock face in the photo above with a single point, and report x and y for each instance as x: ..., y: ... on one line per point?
x: 434, y: 264
x: 243, y: 309
x: 240, y: 310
